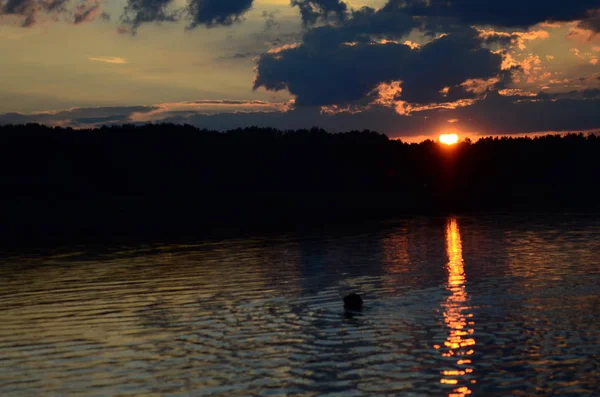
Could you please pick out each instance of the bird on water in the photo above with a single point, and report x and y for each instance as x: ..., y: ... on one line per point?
x: 353, y: 302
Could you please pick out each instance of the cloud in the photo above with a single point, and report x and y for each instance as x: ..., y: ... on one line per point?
x: 586, y: 56
x: 95, y: 117
x: 313, y: 11
x: 87, y: 11
x: 345, y: 58
x: 591, y: 22
x: 212, y: 13
x: 208, y: 13
x: 582, y: 35
x: 115, y: 60
x: 28, y: 12
x: 588, y: 93
x: 495, y: 114
x: 516, y: 39
x: 270, y: 20
x: 138, y: 12
x: 76, y: 117
x: 188, y: 108
x: 240, y: 55
x: 362, y: 26
x: 326, y: 74
x: 498, y: 114
x: 507, y: 13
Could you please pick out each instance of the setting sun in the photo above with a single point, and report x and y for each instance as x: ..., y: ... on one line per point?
x: 449, y: 139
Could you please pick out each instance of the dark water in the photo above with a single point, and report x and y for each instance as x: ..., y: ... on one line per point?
x: 490, y: 306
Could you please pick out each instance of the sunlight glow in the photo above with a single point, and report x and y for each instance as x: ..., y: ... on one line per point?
x: 460, y: 340
x: 449, y: 139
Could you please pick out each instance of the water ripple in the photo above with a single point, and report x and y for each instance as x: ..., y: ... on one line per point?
x: 469, y: 306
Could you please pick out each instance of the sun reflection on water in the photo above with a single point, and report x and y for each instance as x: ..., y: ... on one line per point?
x: 459, y: 343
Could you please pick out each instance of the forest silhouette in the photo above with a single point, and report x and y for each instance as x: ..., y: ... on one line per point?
x: 165, y: 179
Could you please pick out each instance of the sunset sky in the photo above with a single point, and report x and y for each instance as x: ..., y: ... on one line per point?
x: 410, y: 68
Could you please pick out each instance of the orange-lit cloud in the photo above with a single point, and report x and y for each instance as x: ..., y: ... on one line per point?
x: 113, y: 60
x: 335, y: 109
x: 550, y: 25
x: 582, y: 35
x: 164, y: 110
x: 412, y: 45
x: 589, y: 57
x: 479, y: 86
x: 534, y: 70
x: 516, y: 39
x: 388, y: 94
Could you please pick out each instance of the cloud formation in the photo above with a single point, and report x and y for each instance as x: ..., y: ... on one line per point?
x: 350, y: 58
x: 346, y: 67
x: 29, y: 12
x: 208, y: 13
x: 114, y: 60
x: 76, y: 117
x: 507, y: 13
x: 212, y: 13
x: 87, y: 12
x: 591, y: 22
x: 313, y: 11
x: 326, y: 74
x: 495, y: 114
x: 138, y: 12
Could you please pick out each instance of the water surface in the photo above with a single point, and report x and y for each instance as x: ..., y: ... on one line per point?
x: 490, y: 306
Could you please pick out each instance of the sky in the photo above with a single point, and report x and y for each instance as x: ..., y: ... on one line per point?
x: 408, y: 68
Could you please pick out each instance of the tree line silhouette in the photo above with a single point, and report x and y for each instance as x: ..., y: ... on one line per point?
x: 163, y: 178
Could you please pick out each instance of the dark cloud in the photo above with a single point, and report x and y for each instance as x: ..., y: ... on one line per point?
x: 498, y: 114
x: 588, y: 93
x: 85, y: 12
x: 313, y: 11
x: 29, y: 11
x: 76, y: 116
x: 365, y: 25
x: 495, y: 114
x: 138, y: 12
x: 342, y: 73
x: 508, y: 13
x: 591, y: 22
x: 208, y: 13
x: 240, y: 55
x: 212, y: 13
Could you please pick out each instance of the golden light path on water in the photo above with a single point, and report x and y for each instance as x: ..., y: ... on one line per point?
x: 459, y: 343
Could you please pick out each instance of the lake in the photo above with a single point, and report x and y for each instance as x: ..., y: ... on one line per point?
x: 454, y: 306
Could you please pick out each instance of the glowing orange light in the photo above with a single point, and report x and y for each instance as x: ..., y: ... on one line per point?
x: 449, y: 139
x: 460, y: 340
x: 453, y: 373
x: 448, y: 381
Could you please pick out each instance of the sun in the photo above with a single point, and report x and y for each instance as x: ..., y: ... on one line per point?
x: 449, y: 139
